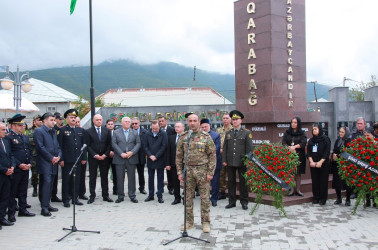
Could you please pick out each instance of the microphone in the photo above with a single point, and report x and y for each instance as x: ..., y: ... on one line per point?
x: 190, y: 133
x: 83, y: 147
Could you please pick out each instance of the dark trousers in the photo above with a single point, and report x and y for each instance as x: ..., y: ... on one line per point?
x: 175, y: 183
x: 83, y: 172
x: 140, y: 169
x: 55, y: 186
x: 169, y: 180
x: 5, y: 190
x: 94, y: 165
x: 46, y: 183
x: 68, y: 182
x: 151, y: 181
x: 130, y: 180
x: 231, y: 172
x: 19, y: 189
x: 319, y: 178
x: 215, y: 184
x: 115, y: 180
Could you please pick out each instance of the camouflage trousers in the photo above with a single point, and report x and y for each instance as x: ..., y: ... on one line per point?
x: 196, y: 176
x: 222, y: 179
x: 34, y: 178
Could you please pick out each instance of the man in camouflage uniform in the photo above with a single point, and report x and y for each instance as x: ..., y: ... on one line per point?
x: 223, y: 172
x: 37, y: 123
x: 201, y: 161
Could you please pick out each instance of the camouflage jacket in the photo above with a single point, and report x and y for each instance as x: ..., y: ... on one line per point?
x: 222, y: 131
x: 201, y: 151
x: 29, y: 133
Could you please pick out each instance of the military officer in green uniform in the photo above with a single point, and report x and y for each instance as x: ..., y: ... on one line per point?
x: 226, y: 119
x: 37, y: 123
x: 201, y: 162
x: 237, y: 143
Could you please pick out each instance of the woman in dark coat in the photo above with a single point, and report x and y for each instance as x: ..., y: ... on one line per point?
x: 337, y: 183
x: 318, y: 149
x: 296, y: 140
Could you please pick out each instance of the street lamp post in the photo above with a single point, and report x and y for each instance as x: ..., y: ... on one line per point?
x: 7, y: 84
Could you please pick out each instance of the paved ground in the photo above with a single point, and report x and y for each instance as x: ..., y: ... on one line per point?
x: 147, y: 225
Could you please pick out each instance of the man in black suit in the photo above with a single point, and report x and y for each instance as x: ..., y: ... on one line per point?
x: 110, y: 125
x: 23, y: 156
x: 6, y: 170
x: 71, y: 139
x: 48, y: 156
x: 170, y: 131
x: 141, y: 154
x: 58, y: 124
x: 172, y: 142
x: 99, y: 144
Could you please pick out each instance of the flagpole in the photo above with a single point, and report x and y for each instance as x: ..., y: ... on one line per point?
x: 91, y: 59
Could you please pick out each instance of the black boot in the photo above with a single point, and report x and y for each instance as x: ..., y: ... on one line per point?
x: 338, y: 199
x: 35, y: 192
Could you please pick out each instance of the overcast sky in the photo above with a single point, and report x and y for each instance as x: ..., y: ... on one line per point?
x: 37, y: 34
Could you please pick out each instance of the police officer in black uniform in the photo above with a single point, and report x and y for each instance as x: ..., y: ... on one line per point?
x: 23, y: 155
x: 58, y: 124
x: 71, y: 139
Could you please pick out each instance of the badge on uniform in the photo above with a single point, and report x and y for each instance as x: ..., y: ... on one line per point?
x: 15, y: 141
x: 315, y: 148
x: 57, y: 132
x: 228, y: 136
x: 250, y: 136
x: 67, y: 132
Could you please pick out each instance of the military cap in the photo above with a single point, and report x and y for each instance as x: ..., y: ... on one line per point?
x: 236, y: 114
x: 205, y: 120
x: 17, y: 119
x: 47, y: 115
x: 37, y: 117
x: 73, y: 112
x: 58, y: 116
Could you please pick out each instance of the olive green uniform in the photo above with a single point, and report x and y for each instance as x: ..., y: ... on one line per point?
x: 34, y: 178
x: 201, y: 161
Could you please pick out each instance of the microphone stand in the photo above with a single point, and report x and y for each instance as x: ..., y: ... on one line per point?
x: 185, y: 234
x: 73, y: 228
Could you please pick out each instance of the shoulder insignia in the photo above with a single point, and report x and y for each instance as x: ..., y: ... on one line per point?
x: 57, y: 132
x: 250, y: 135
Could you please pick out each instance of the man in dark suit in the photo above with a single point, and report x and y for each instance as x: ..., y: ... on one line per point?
x: 172, y: 142
x: 58, y: 124
x: 155, y: 145
x: 48, y: 156
x: 126, y: 144
x: 71, y: 139
x: 110, y: 125
x: 205, y: 126
x: 23, y: 157
x: 237, y: 143
x: 170, y: 131
x: 99, y: 144
x: 6, y: 170
x: 141, y: 154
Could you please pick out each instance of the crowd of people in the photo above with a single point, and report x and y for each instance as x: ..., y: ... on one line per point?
x: 199, y: 157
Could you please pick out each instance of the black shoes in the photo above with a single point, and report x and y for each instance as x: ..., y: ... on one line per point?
x: 142, y: 191
x: 5, y: 222
x: 55, y: 199
x: 83, y: 197
x: 53, y: 209
x: 230, y: 206
x: 25, y: 213
x: 222, y: 196
x: 322, y: 203
x: 170, y: 192
x: 197, y: 193
x: 347, y: 203
x: 77, y: 202
x: 176, y: 201
x: 149, y: 198
x: 299, y: 193
x: 214, y: 203
x: 160, y: 200
x: 66, y: 204
x: 315, y: 201
x: 11, y: 218
x: 35, y: 192
x: 119, y: 200
x: 134, y: 200
x: 91, y: 200
x: 338, y: 201
x: 45, y: 213
x: 244, y: 206
x: 291, y: 193
x: 107, y: 198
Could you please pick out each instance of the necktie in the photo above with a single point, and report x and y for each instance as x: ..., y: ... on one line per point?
x: 127, y: 134
x: 236, y: 132
x: 2, y: 143
x: 177, y: 138
x: 99, y: 134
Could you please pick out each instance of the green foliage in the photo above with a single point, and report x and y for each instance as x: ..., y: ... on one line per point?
x: 358, y: 93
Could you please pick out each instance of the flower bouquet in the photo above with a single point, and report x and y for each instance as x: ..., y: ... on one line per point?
x: 280, y: 164
x: 358, y: 166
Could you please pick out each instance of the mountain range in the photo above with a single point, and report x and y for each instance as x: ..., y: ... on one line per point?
x: 128, y: 74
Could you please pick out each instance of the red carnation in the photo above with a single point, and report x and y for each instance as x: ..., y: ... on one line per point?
x: 372, y: 163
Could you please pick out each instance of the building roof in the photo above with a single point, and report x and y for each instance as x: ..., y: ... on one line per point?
x: 45, y: 92
x: 163, y: 97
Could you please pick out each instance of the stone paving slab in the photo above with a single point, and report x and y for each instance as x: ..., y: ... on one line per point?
x: 147, y: 225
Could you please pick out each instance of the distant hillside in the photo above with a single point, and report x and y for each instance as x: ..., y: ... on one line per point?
x: 127, y: 74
